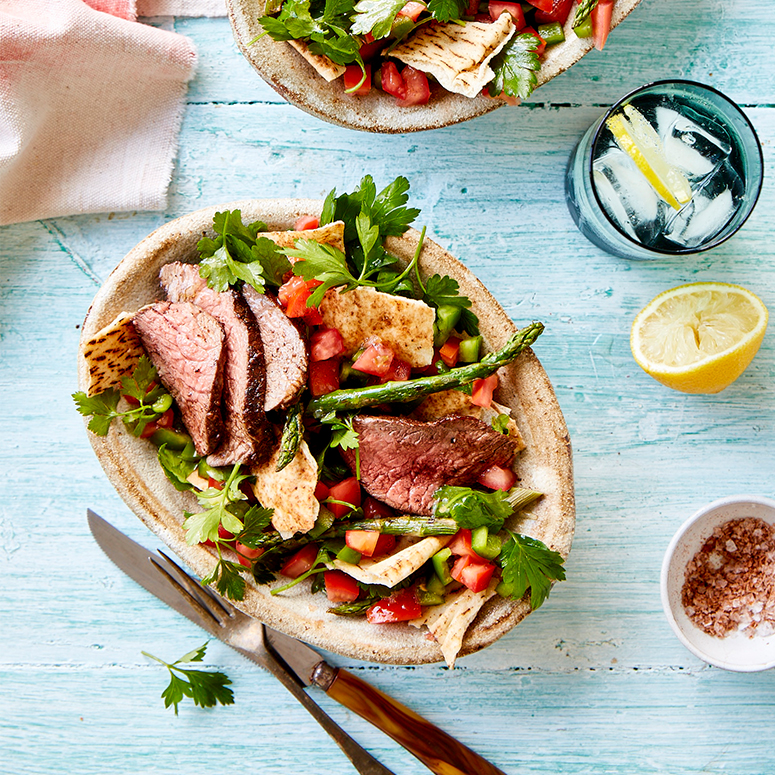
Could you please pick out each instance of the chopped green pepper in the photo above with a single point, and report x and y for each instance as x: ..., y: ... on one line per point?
x: 484, y: 544
x: 348, y: 554
x: 439, y: 561
x: 469, y: 349
x: 552, y: 33
x: 447, y: 317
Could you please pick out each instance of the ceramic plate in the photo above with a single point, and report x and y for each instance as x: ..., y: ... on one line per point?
x: 295, y: 80
x: 131, y: 464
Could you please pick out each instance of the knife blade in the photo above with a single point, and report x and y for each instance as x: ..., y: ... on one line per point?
x: 290, y: 659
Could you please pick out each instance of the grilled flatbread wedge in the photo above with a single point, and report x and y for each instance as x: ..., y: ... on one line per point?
x: 111, y: 353
x: 131, y: 463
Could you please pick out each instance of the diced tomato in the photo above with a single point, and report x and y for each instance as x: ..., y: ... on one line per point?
x: 218, y: 485
x: 399, y: 607
x: 399, y: 371
x: 497, y: 478
x: 340, y: 588
x: 321, y: 491
x: 166, y: 420
x: 306, y: 222
x: 515, y: 9
x: 149, y: 429
x: 482, y: 390
x: 363, y: 541
x: 132, y: 401
x: 450, y: 351
x: 325, y: 343
x: 289, y: 288
x: 300, y: 562
x: 312, y: 316
x: 293, y: 295
x: 507, y: 98
x: 323, y: 377
x: 224, y: 535
x: 542, y: 5
x: 471, y: 573
x: 392, y: 81
x: 385, y: 544
x: 208, y: 542
x: 375, y: 359
x: 412, y: 10
x: 601, y: 22
x: 418, y: 91
x: 370, y: 49
x: 245, y: 554
x: 348, y: 491
x: 460, y: 545
x: 353, y: 75
x: 374, y: 509
x: 559, y: 12
x: 541, y: 42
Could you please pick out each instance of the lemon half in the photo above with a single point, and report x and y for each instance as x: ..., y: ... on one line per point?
x: 699, y: 338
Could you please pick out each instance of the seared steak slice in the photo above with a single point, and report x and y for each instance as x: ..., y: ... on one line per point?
x: 285, y: 352
x: 403, y: 462
x: 186, y: 347
x: 248, y: 437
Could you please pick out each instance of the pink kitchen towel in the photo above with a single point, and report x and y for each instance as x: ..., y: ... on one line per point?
x: 91, y: 105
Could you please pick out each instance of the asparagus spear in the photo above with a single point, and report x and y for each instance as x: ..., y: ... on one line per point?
x: 291, y: 438
x: 416, y: 526
x: 351, y: 399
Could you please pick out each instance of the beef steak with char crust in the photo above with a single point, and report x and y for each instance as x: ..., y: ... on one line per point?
x: 285, y: 351
x: 248, y: 436
x: 403, y: 462
x: 185, y: 344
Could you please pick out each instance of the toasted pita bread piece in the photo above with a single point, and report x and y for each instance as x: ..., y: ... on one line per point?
x: 449, y: 621
x: 324, y: 66
x: 290, y: 492
x: 330, y: 234
x: 396, y: 567
x: 457, y: 55
x: 449, y: 402
x: 405, y: 325
x: 111, y: 353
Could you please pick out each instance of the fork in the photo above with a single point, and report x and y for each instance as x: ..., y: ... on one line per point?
x: 248, y: 636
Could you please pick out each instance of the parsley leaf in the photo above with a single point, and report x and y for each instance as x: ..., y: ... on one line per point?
x: 375, y: 17
x: 203, y: 526
x: 528, y: 563
x: 324, y: 263
x: 472, y: 508
x: 101, y: 408
x: 444, y: 291
x: 447, y: 10
x: 206, y: 688
x: 227, y: 578
x: 178, y: 465
x: 515, y: 67
x: 255, y: 522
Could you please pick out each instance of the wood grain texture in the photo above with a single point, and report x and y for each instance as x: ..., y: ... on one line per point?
x: 594, y: 682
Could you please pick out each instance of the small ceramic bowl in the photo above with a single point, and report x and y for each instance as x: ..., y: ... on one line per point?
x: 737, y: 651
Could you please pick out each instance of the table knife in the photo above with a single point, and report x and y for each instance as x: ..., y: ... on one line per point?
x: 294, y: 663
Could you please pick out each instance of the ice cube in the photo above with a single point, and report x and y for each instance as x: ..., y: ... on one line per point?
x: 627, y: 196
x: 693, y: 143
x: 701, y: 219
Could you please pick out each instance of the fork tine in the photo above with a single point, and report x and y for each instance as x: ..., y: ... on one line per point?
x: 199, y: 590
x: 194, y: 600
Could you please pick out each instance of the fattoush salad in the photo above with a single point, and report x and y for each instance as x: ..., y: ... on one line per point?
x: 470, y: 47
x: 331, y: 412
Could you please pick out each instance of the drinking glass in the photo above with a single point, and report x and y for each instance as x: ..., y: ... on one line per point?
x: 716, y: 147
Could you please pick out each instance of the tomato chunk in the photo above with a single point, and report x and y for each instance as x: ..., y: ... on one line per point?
x: 348, y: 491
x: 375, y: 360
x: 542, y: 5
x: 374, y: 509
x: 515, y: 9
x: 340, y: 588
x: 482, y: 390
x: 418, y: 91
x: 370, y: 49
x: 325, y: 343
x: 301, y: 562
x: 399, y: 371
x: 399, y: 607
x: 245, y: 554
x: 353, y: 75
x: 385, y: 544
x: 460, y: 545
x: 392, y: 81
x: 473, y: 574
x: 323, y: 377
x: 601, y: 22
x: 497, y: 478
x: 449, y: 352
x: 321, y: 491
x: 559, y: 12
x: 306, y: 222
x: 363, y: 541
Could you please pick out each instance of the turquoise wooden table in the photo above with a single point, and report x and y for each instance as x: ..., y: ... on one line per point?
x: 595, y: 682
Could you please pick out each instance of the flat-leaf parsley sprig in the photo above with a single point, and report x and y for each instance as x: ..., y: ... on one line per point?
x: 206, y: 688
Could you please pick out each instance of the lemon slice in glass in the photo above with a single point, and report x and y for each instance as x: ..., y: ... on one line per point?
x: 699, y: 338
x: 639, y: 140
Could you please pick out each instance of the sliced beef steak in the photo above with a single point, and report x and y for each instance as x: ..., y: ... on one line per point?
x: 185, y: 344
x: 248, y: 436
x: 403, y: 462
x: 285, y: 352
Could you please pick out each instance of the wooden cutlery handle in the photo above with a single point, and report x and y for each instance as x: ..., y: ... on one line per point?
x: 438, y: 751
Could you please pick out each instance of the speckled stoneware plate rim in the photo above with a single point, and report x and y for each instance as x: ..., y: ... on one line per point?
x: 131, y: 463
x: 293, y: 78
x: 737, y: 652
